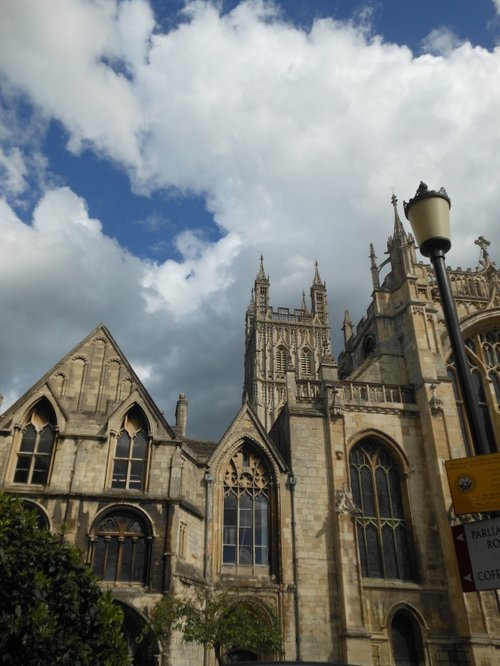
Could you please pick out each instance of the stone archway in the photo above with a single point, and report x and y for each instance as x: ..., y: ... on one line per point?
x: 143, y: 653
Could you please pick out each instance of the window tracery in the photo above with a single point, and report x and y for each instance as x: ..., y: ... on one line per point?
x: 383, y: 542
x: 483, y: 352
x: 120, y: 547
x: 37, y: 444
x: 131, y: 452
x: 246, y: 509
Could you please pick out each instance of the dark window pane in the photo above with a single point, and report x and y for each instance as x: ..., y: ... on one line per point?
x: 382, y: 493
x: 119, y: 474
x: 362, y: 550
x: 396, y: 498
x: 124, y: 574
x: 245, y: 555
x: 40, y: 470
x: 46, y: 440
x: 111, y: 560
x: 367, y: 492
x: 99, y: 552
x: 28, y: 440
x: 139, y: 446
x: 22, y: 469
x: 123, y: 445
x: 356, y: 494
x: 261, y: 555
x: 139, y: 561
x: 374, y: 563
x: 136, y: 475
x: 390, y: 559
x: 229, y: 555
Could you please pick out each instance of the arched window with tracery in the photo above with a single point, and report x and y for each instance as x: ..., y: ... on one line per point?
x: 247, y: 497
x: 306, y: 362
x: 131, y: 452
x: 483, y: 352
x: 382, y: 530
x: 38, y: 435
x: 119, y: 547
x: 281, y: 359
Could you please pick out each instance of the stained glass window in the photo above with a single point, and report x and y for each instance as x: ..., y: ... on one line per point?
x: 381, y: 526
x: 246, y: 510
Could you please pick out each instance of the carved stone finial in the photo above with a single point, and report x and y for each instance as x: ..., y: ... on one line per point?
x: 435, y: 403
x: 335, y: 402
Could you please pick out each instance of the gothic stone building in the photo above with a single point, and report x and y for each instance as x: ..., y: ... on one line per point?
x: 326, y: 499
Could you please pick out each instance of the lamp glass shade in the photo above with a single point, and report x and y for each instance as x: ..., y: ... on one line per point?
x: 430, y: 221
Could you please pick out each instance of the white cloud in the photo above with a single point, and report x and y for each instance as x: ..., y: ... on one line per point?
x: 441, y: 41
x: 497, y: 5
x: 295, y: 139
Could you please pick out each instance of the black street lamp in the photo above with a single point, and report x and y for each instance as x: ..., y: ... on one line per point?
x: 429, y: 216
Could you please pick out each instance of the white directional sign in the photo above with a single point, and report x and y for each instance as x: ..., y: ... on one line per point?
x: 478, y: 554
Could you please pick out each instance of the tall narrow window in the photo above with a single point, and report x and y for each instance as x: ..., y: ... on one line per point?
x: 131, y: 453
x: 305, y: 362
x: 119, y: 547
x: 37, y: 445
x: 246, y: 510
x: 281, y: 359
x: 483, y: 351
x: 383, y: 541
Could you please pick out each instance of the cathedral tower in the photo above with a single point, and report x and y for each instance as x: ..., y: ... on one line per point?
x: 277, y: 341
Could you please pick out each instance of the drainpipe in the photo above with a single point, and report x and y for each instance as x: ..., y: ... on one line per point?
x: 292, y: 482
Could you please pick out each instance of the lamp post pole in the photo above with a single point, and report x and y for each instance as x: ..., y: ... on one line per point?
x: 428, y: 213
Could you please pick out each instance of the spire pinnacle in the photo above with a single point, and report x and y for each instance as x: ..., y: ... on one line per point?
x: 261, y: 275
x: 304, y: 304
x: 398, y: 225
x: 317, y: 280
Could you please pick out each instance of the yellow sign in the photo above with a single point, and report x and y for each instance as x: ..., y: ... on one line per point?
x: 475, y: 483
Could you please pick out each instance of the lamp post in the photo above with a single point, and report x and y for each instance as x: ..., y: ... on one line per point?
x: 429, y: 216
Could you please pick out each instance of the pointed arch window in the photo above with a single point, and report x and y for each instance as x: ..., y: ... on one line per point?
x: 38, y: 435
x: 246, y: 510
x: 383, y: 541
x: 281, y: 359
x: 483, y: 352
x: 119, y: 547
x: 131, y: 452
x: 306, y: 362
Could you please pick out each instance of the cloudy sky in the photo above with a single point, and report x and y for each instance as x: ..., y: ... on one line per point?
x: 151, y: 151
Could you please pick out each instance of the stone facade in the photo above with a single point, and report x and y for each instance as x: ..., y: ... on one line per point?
x: 326, y: 499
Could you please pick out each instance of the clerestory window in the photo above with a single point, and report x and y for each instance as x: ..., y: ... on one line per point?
x: 131, y: 452
x: 383, y: 541
x: 38, y: 435
x: 246, y: 509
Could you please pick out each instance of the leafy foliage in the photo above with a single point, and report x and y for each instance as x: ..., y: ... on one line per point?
x: 220, y: 621
x: 52, y: 610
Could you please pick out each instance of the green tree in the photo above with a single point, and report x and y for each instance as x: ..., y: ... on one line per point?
x: 52, y: 610
x: 219, y: 621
